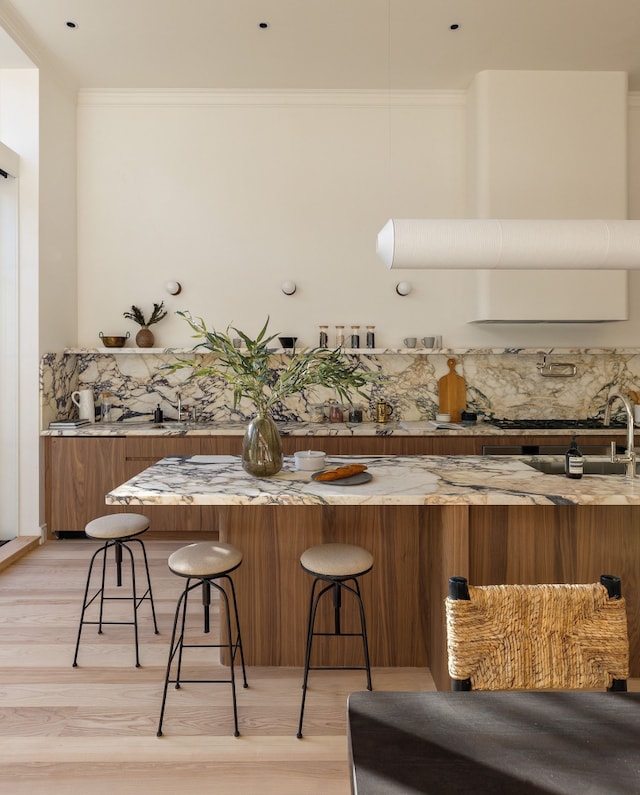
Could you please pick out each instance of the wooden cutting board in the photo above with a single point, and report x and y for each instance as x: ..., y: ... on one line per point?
x: 452, y: 391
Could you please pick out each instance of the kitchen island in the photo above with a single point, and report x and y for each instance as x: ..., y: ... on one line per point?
x: 424, y: 518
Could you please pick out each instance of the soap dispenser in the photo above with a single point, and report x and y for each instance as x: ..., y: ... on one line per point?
x: 573, y: 461
x: 158, y: 416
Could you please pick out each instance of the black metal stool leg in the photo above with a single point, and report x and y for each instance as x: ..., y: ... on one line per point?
x: 365, y: 639
x: 336, y: 586
x: 238, y: 643
x: 105, y: 550
x: 149, y: 592
x: 119, y: 547
x: 187, y: 591
x: 313, y: 608
x: 236, y: 731
x: 173, y: 647
x: 86, y: 603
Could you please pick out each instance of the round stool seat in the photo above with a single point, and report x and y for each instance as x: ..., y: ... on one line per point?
x: 205, y: 559
x: 117, y: 525
x: 336, y: 560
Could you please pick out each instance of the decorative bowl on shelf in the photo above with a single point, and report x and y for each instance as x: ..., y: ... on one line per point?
x: 110, y: 341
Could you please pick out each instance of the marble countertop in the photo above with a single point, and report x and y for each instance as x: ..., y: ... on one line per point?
x: 421, y: 428
x: 396, y: 480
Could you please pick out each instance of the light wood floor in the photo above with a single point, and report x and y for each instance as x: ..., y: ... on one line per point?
x: 92, y: 729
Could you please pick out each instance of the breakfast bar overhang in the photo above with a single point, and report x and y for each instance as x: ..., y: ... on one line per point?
x: 424, y: 518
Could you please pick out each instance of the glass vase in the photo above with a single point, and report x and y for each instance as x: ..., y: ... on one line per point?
x: 262, y: 447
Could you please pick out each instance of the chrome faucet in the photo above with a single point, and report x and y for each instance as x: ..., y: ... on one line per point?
x: 179, y: 406
x: 629, y: 457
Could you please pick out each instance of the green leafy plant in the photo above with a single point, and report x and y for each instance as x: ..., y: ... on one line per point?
x: 252, y: 375
x: 137, y: 315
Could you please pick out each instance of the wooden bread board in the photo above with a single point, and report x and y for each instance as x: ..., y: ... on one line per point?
x: 452, y: 391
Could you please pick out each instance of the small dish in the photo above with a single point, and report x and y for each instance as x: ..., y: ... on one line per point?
x: 354, y: 480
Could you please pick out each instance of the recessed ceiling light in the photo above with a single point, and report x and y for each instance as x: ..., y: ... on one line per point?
x: 263, y: 25
x: 71, y: 24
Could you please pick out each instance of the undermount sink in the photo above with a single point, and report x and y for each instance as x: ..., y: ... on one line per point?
x: 554, y: 466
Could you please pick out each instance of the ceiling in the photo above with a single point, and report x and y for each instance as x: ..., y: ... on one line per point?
x: 317, y: 44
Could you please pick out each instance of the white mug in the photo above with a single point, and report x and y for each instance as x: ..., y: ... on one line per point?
x: 85, y: 403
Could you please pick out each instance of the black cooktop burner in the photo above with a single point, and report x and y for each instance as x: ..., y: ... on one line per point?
x: 588, y: 423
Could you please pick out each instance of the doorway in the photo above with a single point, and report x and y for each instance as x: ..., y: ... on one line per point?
x: 9, y: 403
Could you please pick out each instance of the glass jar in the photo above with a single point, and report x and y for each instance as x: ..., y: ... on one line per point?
x: 355, y: 337
x: 371, y: 337
x: 336, y: 413
x: 323, y: 341
x: 355, y: 412
x: 339, y: 336
x: 105, y: 407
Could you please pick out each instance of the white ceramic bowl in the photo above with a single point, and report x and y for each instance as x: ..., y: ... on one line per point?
x: 310, y: 460
x: 443, y: 417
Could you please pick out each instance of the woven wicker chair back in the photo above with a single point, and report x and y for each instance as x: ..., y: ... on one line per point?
x: 537, y: 637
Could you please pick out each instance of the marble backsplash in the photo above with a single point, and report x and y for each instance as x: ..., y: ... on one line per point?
x: 500, y: 383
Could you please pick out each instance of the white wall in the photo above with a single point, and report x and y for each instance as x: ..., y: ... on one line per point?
x: 230, y: 193
x: 37, y: 120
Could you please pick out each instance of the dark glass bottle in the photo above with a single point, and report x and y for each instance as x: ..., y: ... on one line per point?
x: 371, y: 337
x: 573, y: 461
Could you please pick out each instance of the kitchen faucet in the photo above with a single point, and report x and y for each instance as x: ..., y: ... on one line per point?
x: 629, y: 457
x: 179, y: 405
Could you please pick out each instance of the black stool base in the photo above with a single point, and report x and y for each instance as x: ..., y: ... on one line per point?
x: 178, y: 645
x: 336, y: 587
x: 119, y: 546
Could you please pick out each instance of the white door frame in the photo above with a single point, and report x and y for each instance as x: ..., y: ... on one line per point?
x: 9, y: 346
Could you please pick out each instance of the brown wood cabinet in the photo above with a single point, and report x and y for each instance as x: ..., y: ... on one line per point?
x: 78, y: 473
x: 81, y: 470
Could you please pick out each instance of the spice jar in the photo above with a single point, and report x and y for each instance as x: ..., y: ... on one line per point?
x: 371, y: 337
x: 339, y: 336
x: 105, y: 407
x: 335, y: 412
x: 355, y: 412
x: 355, y: 337
x: 323, y: 341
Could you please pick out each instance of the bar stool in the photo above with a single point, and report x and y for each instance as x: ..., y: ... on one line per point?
x: 205, y: 563
x: 118, y: 531
x: 337, y: 565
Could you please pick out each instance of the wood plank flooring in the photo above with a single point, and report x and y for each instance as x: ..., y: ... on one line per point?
x: 91, y: 730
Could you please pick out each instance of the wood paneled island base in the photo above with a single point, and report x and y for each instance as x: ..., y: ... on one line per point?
x: 419, y: 535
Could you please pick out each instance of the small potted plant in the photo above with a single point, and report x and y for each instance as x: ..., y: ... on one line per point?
x: 252, y: 375
x: 145, y: 338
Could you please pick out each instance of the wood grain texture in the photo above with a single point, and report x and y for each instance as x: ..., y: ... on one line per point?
x: 83, y: 471
x: 276, y: 602
x: 66, y: 731
x: 563, y: 543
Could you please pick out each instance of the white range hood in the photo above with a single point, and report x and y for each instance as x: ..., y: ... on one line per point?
x: 559, y: 296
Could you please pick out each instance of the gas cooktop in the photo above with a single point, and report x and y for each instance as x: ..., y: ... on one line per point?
x: 587, y: 423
